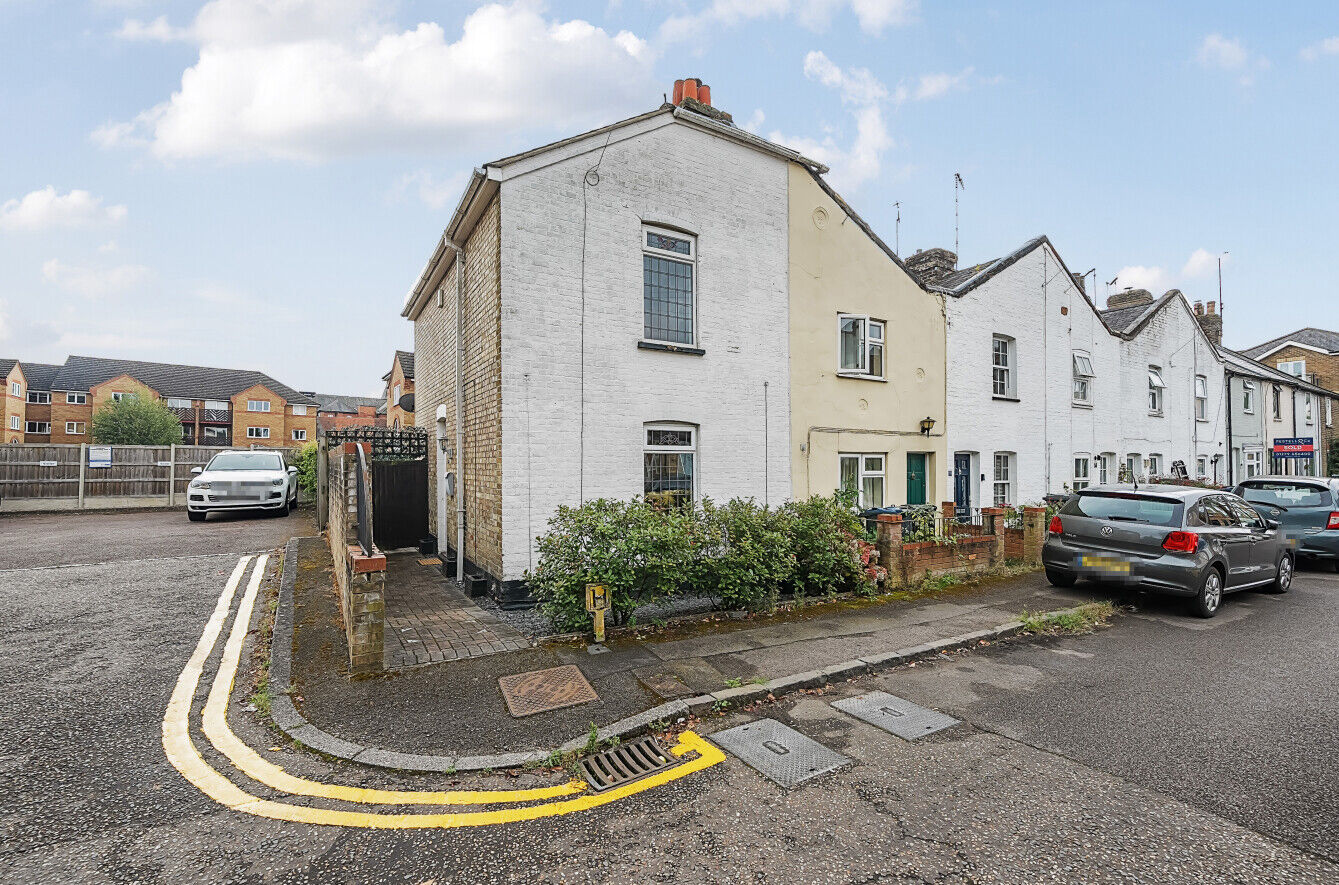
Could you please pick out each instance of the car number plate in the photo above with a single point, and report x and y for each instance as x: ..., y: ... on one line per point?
x: 1105, y: 564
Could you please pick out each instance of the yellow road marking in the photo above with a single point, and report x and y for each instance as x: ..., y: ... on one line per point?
x: 216, y: 728
x: 181, y: 751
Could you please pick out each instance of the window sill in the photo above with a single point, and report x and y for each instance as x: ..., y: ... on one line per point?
x: 1078, y: 404
x: 1005, y: 399
x: 1155, y: 414
x: 670, y: 348
x: 860, y: 376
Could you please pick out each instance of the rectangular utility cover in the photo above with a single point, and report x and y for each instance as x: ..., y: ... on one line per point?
x: 779, y: 752
x: 895, y: 715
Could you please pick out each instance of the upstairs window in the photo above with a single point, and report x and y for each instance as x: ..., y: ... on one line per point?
x: 118, y: 396
x: 669, y: 297
x: 860, y: 345
x: 299, y: 410
x: 15, y: 389
x: 1083, y: 378
x: 176, y: 403
x: 257, y: 405
x: 1155, y: 388
x: 76, y: 399
x: 395, y: 396
x: 217, y: 405
x: 1248, y: 397
x: 15, y: 422
x: 39, y: 397
x: 1293, y: 367
x: 1278, y: 403
x: 1003, y: 356
x: 669, y: 464
x: 1201, y: 398
x: 1307, y: 402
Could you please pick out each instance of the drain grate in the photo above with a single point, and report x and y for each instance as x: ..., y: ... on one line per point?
x: 895, y: 715
x: 625, y: 763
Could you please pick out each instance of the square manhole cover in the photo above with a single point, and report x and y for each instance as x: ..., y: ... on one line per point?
x: 541, y: 690
x: 779, y: 752
x: 895, y: 715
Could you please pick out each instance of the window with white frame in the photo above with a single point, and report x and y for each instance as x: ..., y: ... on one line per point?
x: 395, y: 395
x: 76, y: 399
x: 174, y: 402
x: 1201, y: 398
x: 1306, y: 401
x: 669, y: 463
x: 1293, y: 367
x: 215, y: 433
x: 864, y: 474
x: 1083, y: 378
x: 217, y: 405
x: 258, y: 433
x: 121, y: 396
x: 1248, y: 397
x: 1278, y: 403
x: 859, y: 345
x: 74, y: 428
x: 1082, y: 463
x: 257, y: 405
x: 669, y: 293
x: 1156, y: 386
x: 39, y: 397
x: 299, y: 410
x: 299, y: 433
x: 1003, y: 368
x: 1254, y: 459
x: 1201, y: 467
x: 38, y: 427
x: 15, y: 389
x: 1104, y: 462
x: 1329, y: 414
x: 1155, y: 465
x: 15, y: 422
x: 1003, y: 483
x: 1134, y: 467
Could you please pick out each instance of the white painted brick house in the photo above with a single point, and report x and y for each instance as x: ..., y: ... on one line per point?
x: 1047, y: 392
x: 626, y: 317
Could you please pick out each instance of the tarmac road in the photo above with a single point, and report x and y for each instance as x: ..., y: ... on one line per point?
x: 1044, y: 782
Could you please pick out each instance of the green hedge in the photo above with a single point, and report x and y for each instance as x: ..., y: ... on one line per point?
x: 740, y: 554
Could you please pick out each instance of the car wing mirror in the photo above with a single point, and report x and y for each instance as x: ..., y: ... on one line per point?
x: 293, y: 470
x: 1272, y: 523
x: 197, y: 470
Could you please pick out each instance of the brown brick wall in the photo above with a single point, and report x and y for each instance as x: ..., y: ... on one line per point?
x: 62, y: 412
x: 1324, y: 366
x: 274, y: 419
x: 14, y: 405
x: 434, y: 347
x: 293, y: 422
x: 393, y: 412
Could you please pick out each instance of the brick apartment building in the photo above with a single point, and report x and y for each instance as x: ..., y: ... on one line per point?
x: 217, y: 407
x: 399, y: 385
x: 336, y: 412
x: 1312, y: 355
x: 13, y: 408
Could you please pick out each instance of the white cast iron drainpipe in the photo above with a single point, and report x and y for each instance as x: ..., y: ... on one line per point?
x: 460, y: 408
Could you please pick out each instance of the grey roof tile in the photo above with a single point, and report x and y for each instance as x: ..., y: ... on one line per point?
x: 187, y: 382
x: 40, y: 375
x: 1322, y: 339
x: 334, y: 402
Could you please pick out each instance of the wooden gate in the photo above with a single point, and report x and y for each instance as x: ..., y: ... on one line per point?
x: 399, y: 503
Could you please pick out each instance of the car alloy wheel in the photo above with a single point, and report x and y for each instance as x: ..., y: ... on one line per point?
x: 1212, y: 594
x: 1285, y: 577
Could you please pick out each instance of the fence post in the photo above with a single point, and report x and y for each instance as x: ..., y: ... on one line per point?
x: 172, y: 475
x: 888, y: 541
x: 1034, y: 533
x: 322, y: 491
x: 83, y: 466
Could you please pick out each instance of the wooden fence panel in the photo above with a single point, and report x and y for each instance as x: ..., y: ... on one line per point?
x: 23, y: 474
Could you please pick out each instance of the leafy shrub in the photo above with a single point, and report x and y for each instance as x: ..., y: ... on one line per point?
x: 830, y: 551
x: 305, y: 461
x: 136, y: 421
x: 918, y: 523
x: 752, y: 559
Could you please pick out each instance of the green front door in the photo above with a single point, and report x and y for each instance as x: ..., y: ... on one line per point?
x: 915, y: 477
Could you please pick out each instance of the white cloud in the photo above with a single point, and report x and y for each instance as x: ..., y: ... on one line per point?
x: 1229, y: 54
x: 934, y: 85
x: 45, y: 209
x: 1137, y: 276
x: 873, y: 16
x: 431, y: 190
x: 95, y: 282
x: 310, y: 79
x: 755, y: 121
x: 1201, y: 263
x: 1328, y: 46
x: 157, y: 31
x: 857, y: 86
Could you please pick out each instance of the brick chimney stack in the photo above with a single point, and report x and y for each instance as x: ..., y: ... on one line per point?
x: 1212, y: 323
x: 932, y: 265
x: 1129, y: 298
x: 1078, y: 281
x: 693, y: 94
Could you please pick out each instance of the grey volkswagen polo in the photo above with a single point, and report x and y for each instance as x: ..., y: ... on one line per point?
x: 1193, y: 542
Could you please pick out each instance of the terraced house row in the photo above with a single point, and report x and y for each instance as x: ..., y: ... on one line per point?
x: 671, y: 306
x: 218, y: 407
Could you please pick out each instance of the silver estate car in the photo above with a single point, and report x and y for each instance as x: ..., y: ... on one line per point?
x: 1193, y: 542
x: 242, y: 480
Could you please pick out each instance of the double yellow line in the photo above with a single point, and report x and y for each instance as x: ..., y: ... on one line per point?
x: 184, y: 756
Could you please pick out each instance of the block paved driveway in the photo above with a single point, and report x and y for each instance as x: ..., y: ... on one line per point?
x: 1165, y: 749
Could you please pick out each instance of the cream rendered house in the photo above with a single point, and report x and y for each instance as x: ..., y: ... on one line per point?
x: 867, y: 359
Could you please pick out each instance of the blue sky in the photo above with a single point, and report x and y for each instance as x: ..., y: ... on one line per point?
x: 254, y: 184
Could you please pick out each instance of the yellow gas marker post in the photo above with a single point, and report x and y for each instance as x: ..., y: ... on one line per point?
x: 186, y: 759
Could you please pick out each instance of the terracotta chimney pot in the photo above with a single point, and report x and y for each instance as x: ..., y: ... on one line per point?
x: 678, y: 92
x: 704, y: 94
x: 690, y: 88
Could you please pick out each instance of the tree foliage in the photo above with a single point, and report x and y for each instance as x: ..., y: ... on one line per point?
x: 136, y: 421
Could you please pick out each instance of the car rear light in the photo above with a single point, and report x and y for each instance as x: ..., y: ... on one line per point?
x: 1182, y: 542
x: 1056, y: 528
x: 1334, y: 521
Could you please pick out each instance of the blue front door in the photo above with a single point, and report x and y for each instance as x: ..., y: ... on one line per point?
x: 962, y: 485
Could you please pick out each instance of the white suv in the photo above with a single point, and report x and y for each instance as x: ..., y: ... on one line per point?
x: 242, y: 480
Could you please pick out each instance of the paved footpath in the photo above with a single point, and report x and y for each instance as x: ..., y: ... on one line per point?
x: 92, y: 653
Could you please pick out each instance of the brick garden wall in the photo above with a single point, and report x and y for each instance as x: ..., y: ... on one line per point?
x: 969, y: 549
x: 360, y: 578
